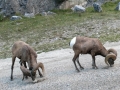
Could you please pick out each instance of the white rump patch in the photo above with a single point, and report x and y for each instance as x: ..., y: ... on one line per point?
x: 72, y: 42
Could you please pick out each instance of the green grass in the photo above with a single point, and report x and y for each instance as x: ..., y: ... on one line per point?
x: 45, y: 33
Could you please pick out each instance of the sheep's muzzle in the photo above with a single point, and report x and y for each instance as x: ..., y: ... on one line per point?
x: 33, y: 75
x: 109, y: 59
x: 111, y: 62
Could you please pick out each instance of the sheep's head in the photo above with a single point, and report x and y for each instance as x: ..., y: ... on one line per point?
x: 33, y: 75
x: 27, y: 72
x: 111, y: 57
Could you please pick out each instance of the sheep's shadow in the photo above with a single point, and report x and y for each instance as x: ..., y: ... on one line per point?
x: 37, y: 79
x: 106, y: 67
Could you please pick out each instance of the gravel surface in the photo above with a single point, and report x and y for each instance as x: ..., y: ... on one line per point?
x: 61, y: 73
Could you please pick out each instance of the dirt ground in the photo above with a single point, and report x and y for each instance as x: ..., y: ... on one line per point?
x: 61, y: 73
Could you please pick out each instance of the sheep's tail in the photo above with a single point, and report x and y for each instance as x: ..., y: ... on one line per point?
x: 72, y: 42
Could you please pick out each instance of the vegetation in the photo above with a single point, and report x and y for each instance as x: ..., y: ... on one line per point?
x: 1, y: 17
x: 59, y: 1
x: 45, y: 33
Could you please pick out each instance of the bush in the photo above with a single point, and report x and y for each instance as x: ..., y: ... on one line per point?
x: 59, y: 1
x: 1, y: 17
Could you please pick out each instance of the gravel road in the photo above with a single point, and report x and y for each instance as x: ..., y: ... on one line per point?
x: 61, y: 74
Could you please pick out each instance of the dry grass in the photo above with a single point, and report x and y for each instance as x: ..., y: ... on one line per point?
x: 45, y: 33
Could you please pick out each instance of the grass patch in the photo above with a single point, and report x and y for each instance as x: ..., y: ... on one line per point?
x: 45, y: 33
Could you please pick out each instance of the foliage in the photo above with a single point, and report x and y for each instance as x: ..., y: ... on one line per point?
x: 59, y: 1
x: 1, y: 17
x: 45, y: 33
x: 109, y: 6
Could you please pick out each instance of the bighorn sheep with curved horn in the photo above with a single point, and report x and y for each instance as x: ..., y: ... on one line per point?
x: 26, y: 72
x: 27, y: 54
x: 85, y: 45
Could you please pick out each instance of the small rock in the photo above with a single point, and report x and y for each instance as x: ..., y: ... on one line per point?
x: 15, y: 18
x: 97, y: 7
x: 78, y: 8
x: 29, y: 15
x: 118, y: 7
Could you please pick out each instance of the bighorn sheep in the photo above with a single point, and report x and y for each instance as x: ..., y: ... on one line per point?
x: 25, y: 53
x: 85, y: 45
x: 26, y: 72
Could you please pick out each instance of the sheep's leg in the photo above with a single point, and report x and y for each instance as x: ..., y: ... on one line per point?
x: 25, y: 67
x: 79, y: 63
x: 93, y: 63
x: 25, y: 64
x: 40, y: 73
x: 20, y: 62
x: 74, y: 59
x: 13, y: 61
x: 23, y: 77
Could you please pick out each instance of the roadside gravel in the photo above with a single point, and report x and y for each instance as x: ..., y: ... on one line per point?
x: 61, y: 74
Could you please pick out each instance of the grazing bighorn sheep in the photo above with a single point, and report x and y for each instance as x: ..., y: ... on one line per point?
x: 25, y: 53
x: 85, y: 45
x: 26, y: 72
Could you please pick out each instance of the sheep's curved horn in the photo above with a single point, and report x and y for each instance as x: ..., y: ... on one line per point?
x: 111, y: 55
x: 112, y: 51
x: 42, y: 67
x: 36, y: 67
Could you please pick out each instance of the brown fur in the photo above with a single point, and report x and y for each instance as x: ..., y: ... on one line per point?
x: 26, y: 72
x: 92, y: 46
x: 25, y: 53
x: 39, y: 64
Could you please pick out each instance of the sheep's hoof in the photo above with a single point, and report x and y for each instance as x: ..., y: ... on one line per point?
x: 81, y: 68
x: 41, y: 75
x: 11, y: 79
x: 78, y: 70
x: 95, y: 67
x: 35, y: 81
x: 26, y: 77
